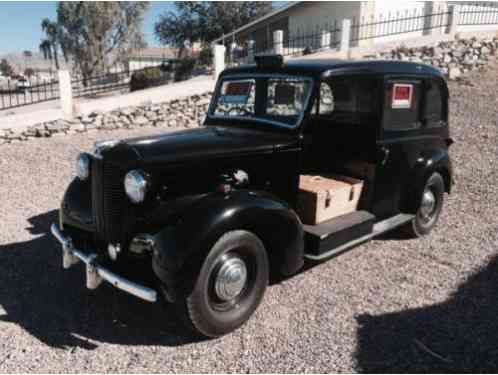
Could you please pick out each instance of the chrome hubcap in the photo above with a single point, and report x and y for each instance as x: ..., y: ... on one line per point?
x: 428, y: 203
x: 231, y: 278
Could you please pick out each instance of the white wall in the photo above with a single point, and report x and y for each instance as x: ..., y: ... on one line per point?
x: 166, y: 93
x: 307, y: 17
x: 141, y: 64
x: 389, y: 9
x: 492, y: 19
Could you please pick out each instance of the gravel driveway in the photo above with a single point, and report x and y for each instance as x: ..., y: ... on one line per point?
x: 389, y: 305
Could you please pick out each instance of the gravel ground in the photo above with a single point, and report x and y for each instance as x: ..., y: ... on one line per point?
x: 389, y: 305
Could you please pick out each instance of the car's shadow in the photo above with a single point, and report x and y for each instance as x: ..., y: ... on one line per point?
x: 457, y: 335
x: 54, y: 305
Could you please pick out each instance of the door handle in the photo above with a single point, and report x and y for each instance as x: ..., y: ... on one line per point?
x: 385, y: 155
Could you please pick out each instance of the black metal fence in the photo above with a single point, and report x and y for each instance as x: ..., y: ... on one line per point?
x: 120, y: 81
x: 409, y: 21
x: 479, y: 14
x: 20, y: 91
x: 306, y: 42
x: 126, y: 80
x: 301, y: 42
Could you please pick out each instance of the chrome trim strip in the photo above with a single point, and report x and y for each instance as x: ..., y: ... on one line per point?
x: 379, y: 228
x: 96, y: 273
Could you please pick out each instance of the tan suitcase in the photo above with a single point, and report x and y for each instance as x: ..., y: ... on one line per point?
x: 324, y: 197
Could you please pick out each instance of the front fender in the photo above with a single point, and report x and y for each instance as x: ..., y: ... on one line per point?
x: 427, y: 163
x: 76, y: 206
x: 180, y: 249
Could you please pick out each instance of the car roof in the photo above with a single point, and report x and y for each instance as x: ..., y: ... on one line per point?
x: 328, y: 67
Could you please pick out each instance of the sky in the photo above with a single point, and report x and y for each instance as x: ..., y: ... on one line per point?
x: 20, y: 23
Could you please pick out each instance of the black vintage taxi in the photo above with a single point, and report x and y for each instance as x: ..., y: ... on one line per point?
x: 208, y: 214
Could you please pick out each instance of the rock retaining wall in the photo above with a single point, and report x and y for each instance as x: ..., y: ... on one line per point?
x: 183, y: 113
x: 454, y: 58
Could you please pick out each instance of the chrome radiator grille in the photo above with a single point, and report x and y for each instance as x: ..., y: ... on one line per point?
x: 109, y: 203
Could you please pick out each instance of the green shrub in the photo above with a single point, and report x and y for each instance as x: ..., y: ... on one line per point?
x: 145, y: 78
x: 206, y: 56
x: 184, y: 68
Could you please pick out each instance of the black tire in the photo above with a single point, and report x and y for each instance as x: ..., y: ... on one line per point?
x: 427, y: 217
x: 204, y: 312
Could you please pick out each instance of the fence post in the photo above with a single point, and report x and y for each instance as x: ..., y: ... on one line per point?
x: 233, y: 47
x: 65, y: 93
x: 453, y: 21
x: 218, y: 59
x: 250, y: 51
x: 345, y: 35
x: 278, y: 42
x: 325, y: 40
x: 434, y: 12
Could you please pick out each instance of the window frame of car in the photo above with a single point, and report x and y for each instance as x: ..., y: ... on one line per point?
x: 429, y: 83
x: 421, y: 124
x: 418, y: 89
x: 256, y: 76
x: 356, y: 77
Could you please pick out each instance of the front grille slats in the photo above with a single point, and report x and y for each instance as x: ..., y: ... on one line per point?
x: 109, y: 203
x: 97, y: 198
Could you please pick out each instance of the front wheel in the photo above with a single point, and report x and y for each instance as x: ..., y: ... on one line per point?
x: 229, y: 287
x: 429, y: 209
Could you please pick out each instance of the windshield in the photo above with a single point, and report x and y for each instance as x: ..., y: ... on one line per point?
x: 273, y: 99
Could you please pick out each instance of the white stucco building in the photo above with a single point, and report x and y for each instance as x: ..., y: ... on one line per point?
x: 413, y: 18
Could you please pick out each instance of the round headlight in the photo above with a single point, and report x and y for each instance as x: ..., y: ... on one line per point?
x: 83, y: 167
x: 135, y: 186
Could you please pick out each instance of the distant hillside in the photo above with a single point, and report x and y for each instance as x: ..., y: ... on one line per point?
x: 36, y: 62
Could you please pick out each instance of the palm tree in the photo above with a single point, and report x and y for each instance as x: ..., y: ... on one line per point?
x: 46, y: 49
x: 51, y: 29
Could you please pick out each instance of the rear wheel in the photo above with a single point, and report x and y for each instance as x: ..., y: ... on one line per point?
x: 229, y: 287
x: 430, y: 207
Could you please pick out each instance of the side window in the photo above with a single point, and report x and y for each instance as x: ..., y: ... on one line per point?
x: 349, y: 100
x: 434, y: 109
x: 402, y: 105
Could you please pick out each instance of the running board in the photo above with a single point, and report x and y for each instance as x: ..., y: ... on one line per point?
x: 379, y: 228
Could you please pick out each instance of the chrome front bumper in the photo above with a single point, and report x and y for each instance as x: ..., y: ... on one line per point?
x: 95, y: 273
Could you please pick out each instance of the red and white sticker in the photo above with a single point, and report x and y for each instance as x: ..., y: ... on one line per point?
x: 402, y: 96
x: 237, y: 92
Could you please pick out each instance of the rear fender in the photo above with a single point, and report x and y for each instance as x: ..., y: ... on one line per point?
x: 427, y: 163
x: 180, y: 250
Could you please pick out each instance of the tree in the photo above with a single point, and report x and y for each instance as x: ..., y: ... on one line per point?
x: 28, y: 72
x: 5, y: 68
x: 185, y: 24
x: 46, y: 50
x: 27, y: 55
x: 52, y: 32
x: 206, y: 21
x: 224, y: 17
x: 99, y: 34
